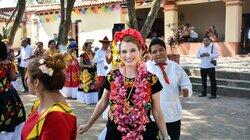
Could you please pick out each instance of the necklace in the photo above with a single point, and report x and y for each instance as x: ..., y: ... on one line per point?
x: 129, y: 94
x: 131, y: 119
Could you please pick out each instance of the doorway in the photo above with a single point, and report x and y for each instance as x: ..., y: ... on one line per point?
x: 245, y: 34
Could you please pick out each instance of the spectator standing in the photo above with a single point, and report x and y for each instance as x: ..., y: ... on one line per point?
x: 25, y: 54
x: 208, y: 53
x: 73, y: 45
x: 103, y: 66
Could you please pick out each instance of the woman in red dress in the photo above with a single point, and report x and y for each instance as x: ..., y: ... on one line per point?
x: 50, y: 117
x: 72, y: 74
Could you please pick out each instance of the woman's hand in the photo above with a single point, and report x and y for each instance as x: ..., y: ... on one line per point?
x: 83, y: 128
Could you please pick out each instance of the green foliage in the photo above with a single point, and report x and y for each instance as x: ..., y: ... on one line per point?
x: 6, y: 32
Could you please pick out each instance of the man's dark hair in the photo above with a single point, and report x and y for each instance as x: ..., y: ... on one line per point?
x: 28, y: 40
x: 3, y: 51
x: 207, y: 37
x: 71, y: 39
x: 156, y: 40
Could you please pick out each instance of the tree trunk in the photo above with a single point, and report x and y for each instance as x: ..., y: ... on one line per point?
x: 61, y: 26
x: 151, y: 18
x: 70, y: 6
x: 12, y: 15
x: 21, y: 5
x: 132, y: 14
x: 65, y: 22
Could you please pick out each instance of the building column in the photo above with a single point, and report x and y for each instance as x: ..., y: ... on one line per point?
x: 233, y: 23
x: 170, y: 17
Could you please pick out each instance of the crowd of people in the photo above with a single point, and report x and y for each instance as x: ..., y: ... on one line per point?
x: 187, y: 33
x: 142, y: 94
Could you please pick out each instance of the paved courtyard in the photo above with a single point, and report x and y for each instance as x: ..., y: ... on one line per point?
x: 233, y: 64
x: 225, y: 118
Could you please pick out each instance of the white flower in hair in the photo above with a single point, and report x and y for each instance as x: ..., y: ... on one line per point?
x: 41, y: 61
x: 50, y: 71
x: 43, y: 68
x: 46, y: 70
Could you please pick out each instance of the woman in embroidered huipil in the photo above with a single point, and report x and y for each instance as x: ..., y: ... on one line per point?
x: 72, y: 74
x: 88, y: 70
x: 50, y: 117
x: 52, y: 48
x: 12, y: 113
x: 132, y: 92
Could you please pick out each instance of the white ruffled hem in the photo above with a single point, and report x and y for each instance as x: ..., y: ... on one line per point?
x: 69, y: 92
x: 89, y: 98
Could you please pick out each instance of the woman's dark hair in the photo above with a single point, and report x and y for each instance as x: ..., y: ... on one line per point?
x: 51, y: 41
x: 39, y: 43
x: 3, y: 51
x: 155, y: 41
x: 50, y: 83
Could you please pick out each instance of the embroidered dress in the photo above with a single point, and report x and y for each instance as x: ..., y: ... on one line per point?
x: 57, y: 122
x: 12, y: 112
x: 88, y: 75
x: 130, y: 106
x: 72, y: 77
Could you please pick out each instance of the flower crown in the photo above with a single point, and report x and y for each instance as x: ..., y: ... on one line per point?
x: 131, y: 32
x: 44, y: 68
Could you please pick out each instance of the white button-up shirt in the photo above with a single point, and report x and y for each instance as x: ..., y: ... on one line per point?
x: 206, y: 61
x: 169, y: 95
x: 100, y: 60
x: 24, y: 54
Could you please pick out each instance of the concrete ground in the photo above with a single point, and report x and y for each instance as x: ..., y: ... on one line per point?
x: 224, y: 118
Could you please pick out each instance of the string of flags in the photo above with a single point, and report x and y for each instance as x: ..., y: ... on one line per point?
x: 82, y: 11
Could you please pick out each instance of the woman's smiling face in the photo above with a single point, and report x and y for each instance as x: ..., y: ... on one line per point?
x: 130, y: 53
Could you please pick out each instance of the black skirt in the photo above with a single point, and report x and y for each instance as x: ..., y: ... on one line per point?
x: 12, y: 111
x: 151, y: 133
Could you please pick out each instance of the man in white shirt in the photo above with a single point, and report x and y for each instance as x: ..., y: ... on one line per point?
x: 193, y: 35
x: 207, y: 53
x: 175, y: 82
x: 103, y: 65
x: 25, y: 53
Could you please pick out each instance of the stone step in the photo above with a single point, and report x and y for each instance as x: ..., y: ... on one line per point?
x: 225, y: 90
x: 221, y: 74
x: 224, y: 82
